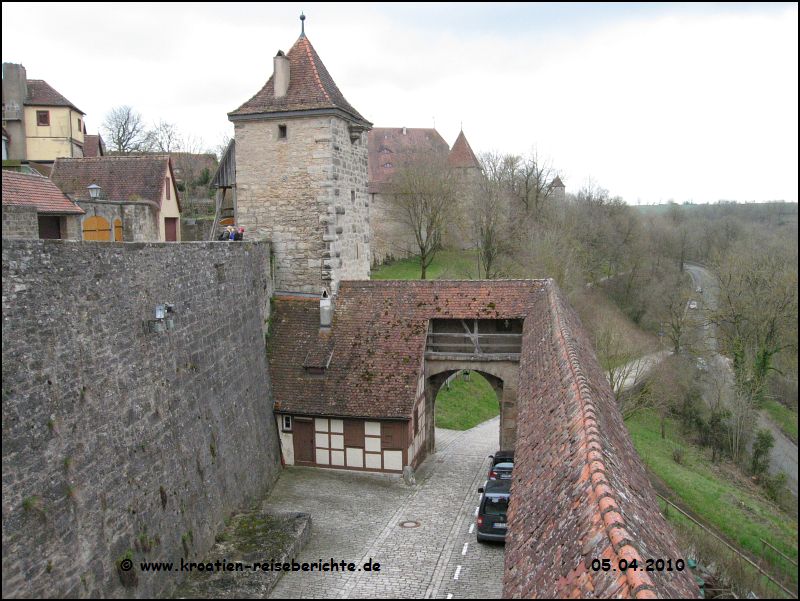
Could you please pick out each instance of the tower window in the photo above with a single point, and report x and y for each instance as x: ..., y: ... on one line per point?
x: 281, y: 132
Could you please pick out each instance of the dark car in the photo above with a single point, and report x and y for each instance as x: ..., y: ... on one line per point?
x: 501, y: 471
x: 492, y: 511
x: 502, y: 457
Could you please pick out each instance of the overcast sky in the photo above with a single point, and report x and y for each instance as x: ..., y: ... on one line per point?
x: 651, y: 101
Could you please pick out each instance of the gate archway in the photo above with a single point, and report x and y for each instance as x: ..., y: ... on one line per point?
x: 501, y: 375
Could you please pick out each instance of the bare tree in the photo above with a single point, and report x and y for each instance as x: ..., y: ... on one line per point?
x: 423, y: 194
x: 531, y: 179
x: 125, y: 130
x: 492, y: 222
x: 164, y: 137
x: 623, y: 366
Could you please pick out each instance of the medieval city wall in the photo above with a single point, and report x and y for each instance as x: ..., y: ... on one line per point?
x: 305, y: 193
x: 119, y: 442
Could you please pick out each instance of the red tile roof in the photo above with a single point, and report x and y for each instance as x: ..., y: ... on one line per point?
x: 461, y: 155
x: 93, y: 146
x: 38, y: 191
x: 390, y: 148
x: 377, y: 339
x: 580, y: 491
x: 310, y: 87
x: 41, y: 93
x: 123, y: 178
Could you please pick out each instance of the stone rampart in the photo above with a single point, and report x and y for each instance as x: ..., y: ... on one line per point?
x: 119, y: 442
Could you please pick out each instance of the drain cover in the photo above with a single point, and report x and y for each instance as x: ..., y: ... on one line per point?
x: 409, y: 524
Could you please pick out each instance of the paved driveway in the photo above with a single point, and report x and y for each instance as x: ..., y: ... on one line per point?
x: 356, y: 516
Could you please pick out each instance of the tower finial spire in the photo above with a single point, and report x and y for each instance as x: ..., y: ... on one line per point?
x: 302, y: 25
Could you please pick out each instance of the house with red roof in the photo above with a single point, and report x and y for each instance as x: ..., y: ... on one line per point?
x: 34, y: 207
x: 130, y: 198
x: 40, y: 123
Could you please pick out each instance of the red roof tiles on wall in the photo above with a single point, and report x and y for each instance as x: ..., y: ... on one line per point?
x: 38, y: 191
x: 580, y: 491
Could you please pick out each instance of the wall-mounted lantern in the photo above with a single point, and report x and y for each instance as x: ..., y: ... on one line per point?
x: 94, y: 191
x: 165, y: 319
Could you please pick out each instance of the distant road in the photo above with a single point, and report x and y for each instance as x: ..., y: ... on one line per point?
x: 783, y: 457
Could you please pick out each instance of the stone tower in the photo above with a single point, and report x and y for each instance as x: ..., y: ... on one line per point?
x: 301, y: 174
x: 559, y: 190
x: 467, y: 169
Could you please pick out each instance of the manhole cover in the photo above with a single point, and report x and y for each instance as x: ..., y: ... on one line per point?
x: 409, y: 524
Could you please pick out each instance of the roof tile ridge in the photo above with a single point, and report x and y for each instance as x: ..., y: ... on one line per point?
x: 307, y: 46
x: 640, y: 584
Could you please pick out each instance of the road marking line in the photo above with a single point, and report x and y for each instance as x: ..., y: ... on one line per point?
x: 471, y: 528
x: 449, y: 595
x: 476, y: 511
x: 464, y: 550
x: 458, y: 571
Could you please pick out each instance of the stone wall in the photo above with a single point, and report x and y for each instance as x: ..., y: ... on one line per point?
x: 119, y: 442
x: 306, y: 193
x: 194, y: 229
x: 391, y: 237
x: 20, y: 222
x: 139, y: 219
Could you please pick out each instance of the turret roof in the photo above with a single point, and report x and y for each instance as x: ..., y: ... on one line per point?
x: 461, y: 154
x: 311, y: 87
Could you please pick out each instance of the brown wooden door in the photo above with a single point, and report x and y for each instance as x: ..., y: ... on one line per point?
x: 171, y: 229
x: 96, y: 228
x: 303, y: 437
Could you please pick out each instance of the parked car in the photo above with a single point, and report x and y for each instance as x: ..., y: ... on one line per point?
x: 693, y: 304
x: 501, y: 471
x: 491, y: 521
x: 502, y: 457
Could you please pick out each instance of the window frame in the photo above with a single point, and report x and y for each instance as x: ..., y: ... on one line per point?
x: 42, y: 116
x: 283, y: 131
x: 286, y: 419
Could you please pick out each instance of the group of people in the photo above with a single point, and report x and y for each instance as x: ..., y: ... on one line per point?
x: 231, y: 233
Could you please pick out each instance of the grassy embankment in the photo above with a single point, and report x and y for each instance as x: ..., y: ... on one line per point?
x: 716, y: 493
x: 783, y: 416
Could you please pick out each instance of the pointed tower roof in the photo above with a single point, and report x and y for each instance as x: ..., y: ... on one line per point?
x: 311, y: 88
x: 461, y: 154
x: 557, y: 183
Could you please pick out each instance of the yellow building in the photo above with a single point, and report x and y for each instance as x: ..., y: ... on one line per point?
x: 42, y: 125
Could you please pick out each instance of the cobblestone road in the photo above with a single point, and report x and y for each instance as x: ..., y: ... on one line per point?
x: 356, y: 516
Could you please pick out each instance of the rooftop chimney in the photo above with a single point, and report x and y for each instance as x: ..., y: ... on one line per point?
x: 281, y: 76
x: 325, y: 310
